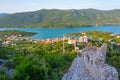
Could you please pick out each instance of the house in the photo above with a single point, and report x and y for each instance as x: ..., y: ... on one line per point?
x: 112, y: 34
x: 83, y: 39
x: 71, y: 41
x: 118, y: 44
x: 4, y: 43
x: 118, y: 36
x: 83, y: 33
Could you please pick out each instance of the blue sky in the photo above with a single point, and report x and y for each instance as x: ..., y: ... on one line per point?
x: 13, y: 6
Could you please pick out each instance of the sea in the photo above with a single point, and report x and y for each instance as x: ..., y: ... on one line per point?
x: 47, y: 33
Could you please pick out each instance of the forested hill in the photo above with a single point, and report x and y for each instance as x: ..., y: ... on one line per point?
x: 61, y: 18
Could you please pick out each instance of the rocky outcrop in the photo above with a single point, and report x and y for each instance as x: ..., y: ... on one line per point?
x: 91, y: 66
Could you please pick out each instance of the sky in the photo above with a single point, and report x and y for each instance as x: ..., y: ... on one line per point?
x: 14, y: 6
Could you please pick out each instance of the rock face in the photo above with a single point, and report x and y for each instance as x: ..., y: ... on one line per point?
x: 91, y: 66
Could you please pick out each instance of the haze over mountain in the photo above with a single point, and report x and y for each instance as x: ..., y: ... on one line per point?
x: 61, y: 18
x: 3, y: 15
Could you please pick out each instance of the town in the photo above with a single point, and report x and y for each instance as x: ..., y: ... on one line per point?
x: 12, y: 40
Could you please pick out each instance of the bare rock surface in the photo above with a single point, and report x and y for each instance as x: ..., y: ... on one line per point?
x: 91, y: 66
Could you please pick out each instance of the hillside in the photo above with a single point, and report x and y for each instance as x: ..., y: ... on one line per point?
x: 61, y: 18
x: 27, y: 59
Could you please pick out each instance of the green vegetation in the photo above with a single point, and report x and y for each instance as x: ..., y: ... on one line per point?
x: 39, y: 61
x: 36, y: 61
x: 96, y: 35
x: 61, y: 18
x: 97, y: 38
x: 15, y: 33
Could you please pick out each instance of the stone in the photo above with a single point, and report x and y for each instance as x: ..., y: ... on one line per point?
x: 91, y: 66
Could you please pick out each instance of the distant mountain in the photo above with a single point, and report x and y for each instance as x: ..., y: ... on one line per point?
x: 61, y: 18
x: 3, y: 15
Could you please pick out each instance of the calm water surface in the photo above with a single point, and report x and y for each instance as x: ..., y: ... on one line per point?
x: 44, y: 33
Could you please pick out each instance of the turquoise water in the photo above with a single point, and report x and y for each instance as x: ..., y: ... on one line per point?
x: 44, y: 33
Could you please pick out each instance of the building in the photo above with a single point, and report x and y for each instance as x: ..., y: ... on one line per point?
x: 83, y: 39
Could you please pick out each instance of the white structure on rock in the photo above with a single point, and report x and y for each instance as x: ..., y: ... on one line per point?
x: 91, y: 66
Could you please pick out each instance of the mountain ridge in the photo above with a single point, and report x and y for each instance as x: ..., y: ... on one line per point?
x: 61, y: 18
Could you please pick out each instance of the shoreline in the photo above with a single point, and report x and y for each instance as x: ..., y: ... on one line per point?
x: 72, y: 26
x: 51, y: 33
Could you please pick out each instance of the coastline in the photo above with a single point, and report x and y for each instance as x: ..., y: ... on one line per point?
x: 45, y: 33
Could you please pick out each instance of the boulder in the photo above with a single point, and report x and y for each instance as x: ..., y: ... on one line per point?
x: 91, y: 66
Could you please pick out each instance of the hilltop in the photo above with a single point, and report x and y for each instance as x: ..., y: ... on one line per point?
x: 61, y: 18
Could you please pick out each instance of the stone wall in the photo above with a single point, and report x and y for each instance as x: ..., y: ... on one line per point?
x: 91, y: 66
